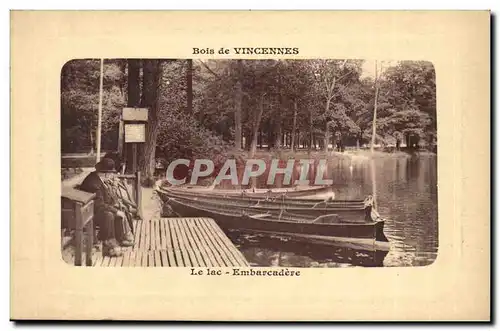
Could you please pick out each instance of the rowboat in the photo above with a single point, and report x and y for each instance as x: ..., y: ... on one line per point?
x: 292, y: 192
x: 283, y: 200
x: 359, y: 211
x: 329, y: 229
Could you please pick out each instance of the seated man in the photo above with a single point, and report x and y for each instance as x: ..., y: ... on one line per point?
x: 119, y: 188
x: 111, y: 220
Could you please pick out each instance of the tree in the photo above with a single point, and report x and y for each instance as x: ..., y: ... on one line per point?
x: 331, y: 77
x: 189, y: 84
x: 412, y: 99
x: 80, y: 99
x: 152, y: 82
x: 238, y: 97
x: 133, y: 101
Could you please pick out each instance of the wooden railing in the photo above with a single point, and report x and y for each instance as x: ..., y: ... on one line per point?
x: 136, y: 189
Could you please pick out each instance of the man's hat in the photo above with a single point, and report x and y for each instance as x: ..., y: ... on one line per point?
x: 106, y: 165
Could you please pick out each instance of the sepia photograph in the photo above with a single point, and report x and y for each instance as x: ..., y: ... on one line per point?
x: 248, y: 163
x: 250, y: 166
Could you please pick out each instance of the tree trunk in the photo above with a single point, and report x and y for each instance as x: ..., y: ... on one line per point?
x: 327, y: 130
x: 134, y: 86
x: 150, y: 98
x: 270, y: 135
x: 133, y: 100
x: 91, y: 140
x: 278, y: 136
x: 238, y: 98
x: 311, y: 133
x: 248, y: 139
x: 189, y: 86
x: 294, y: 125
x: 256, y: 126
x: 278, y: 130
x: 327, y: 138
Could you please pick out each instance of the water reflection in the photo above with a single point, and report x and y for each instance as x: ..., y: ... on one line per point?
x: 278, y: 251
x: 406, y: 191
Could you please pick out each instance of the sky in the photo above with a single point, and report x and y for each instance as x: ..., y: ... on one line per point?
x: 369, y: 67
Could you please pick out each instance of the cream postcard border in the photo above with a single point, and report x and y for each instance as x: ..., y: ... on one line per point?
x: 455, y: 287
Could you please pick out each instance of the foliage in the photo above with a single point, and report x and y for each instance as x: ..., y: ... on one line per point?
x: 332, y: 100
x: 80, y: 101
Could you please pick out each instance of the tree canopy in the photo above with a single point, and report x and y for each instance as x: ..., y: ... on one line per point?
x: 202, y: 108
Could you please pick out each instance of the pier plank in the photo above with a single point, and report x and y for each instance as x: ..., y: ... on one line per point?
x: 133, y: 259
x: 217, y: 249
x: 151, y: 259
x: 98, y: 260
x: 152, y: 235
x: 147, y: 238
x: 209, y: 256
x: 164, y: 258
x: 227, y: 251
x: 157, y: 258
x: 182, y: 247
x: 126, y: 259
x: 163, y: 235
x: 119, y: 260
x: 203, y: 256
x: 176, y: 242
x: 230, y: 248
x: 157, y: 234
x: 210, y: 245
x: 142, y: 243
x: 144, y: 261
x: 168, y: 235
x: 137, y: 234
x: 185, y: 241
x: 105, y: 261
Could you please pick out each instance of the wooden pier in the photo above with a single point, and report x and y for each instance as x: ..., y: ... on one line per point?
x: 176, y: 242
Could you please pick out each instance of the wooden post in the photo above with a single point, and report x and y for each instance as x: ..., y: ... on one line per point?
x: 138, y: 194
x: 134, y: 158
x: 78, y: 234
x: 90, y: 241
x: 120, y: 137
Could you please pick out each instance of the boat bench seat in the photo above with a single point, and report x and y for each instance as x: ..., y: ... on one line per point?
x: 328, y: 219
x: 261, y: 215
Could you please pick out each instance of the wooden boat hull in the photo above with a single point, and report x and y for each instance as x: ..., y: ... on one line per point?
x: 358, y: 212
x: 288, y: 192
x: 372, y: 231
x: 255, y: 199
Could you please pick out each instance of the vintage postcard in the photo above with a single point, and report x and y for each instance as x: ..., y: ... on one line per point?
x: 244, y: 166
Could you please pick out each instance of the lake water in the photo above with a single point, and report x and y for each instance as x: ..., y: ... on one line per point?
x: 406, y: 195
